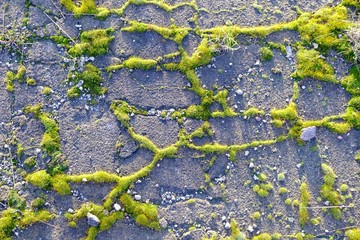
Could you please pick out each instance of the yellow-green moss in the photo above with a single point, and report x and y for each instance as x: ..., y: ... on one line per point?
x: 11, y: 77
x: 266, y: 54
x: 352, y: 81
x: 40, y: 178
x: 145, y: 214
x: 323, y: 26
x: 262, y: 236
x: 93, y: 42
x: 310, y: 64
x: 288, y: 113
x: 304, y: 203
x: 91, y: 80
x: 353, y: 234
x: 139, y: 63
x: 252, y: 112
x: 327, y: 191
x: 46, y: 90
x: 86, y: 7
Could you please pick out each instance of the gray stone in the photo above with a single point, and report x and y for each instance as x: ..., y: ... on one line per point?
x: 92, y: 220
x: 308, y: 133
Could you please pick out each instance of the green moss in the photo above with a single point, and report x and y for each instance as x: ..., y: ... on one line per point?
x: 50, y: 141
x: 340, y: 128
x: 60, y: 185
x: 327, y: 192
x: 106, y: 222
x: 139, y: 63
x: 30, y: 162
x: 256, y: 215
x: 304, y: 203
x: 315, y: 221
x: 63, y: 41
x: 281, y: 177
x: 252, y: 112
x: 30, y: 217
x: 12, y: 218
x: 87, y: 81
x: 198, y: 112
x: 323, y: 26
x: 266, y: 54
x: 11, y: 77
x: 352, y: 82
x: 201, y: 56
x: 40, y: 179
x: 31, y: 82
x: 86, y: 7
x: 352, y: 117
x: 262, y: 236
x: 283, y: 190
x: 357, y: 157
x: 145, y: 214
x: 15, y: 201
x: 355, y: 103
x: 263, y: 189
x: 288, y: 113
x: 279, y: 46
x: 353, y: 234
x: 46, y: 91
x: 288, y: 201
x: 310, y: 64
x: 37, y: 203
x: 93, y: 42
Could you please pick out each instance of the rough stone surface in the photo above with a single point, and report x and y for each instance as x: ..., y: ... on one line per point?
x: 308, y: 133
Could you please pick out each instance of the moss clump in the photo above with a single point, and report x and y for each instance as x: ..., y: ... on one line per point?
x: 12, y: 218
x: 279, y: 46
x: 351, y: 3
x: 323, y: 27
x: 122, y: 109
x: 31, y: 82
x: 50, y: 141
x: 256, y: 215
x: 11, y: 77
x: 355, y: 103
x: 288, y: 113
x: 266, y: 54
x: 340, y: 128
x: 352, y: 82
x: 37, y: 203
x: 173, y: 32
x: 86, y: 7
x: 63, y: 41
x: 327, y: 191
x: 40, y: 179
x: 47, y: 91
x: 353, y: 234
x: 15, y: 201
x: 144, y: 214
x: 198, y: 112
x: 202, y: 131
x: 283, y: 190
x: 93, y: 42
x: 30, y: 162
x: 108, y: 221
x: 310, y: 64
x: 304, y: 203
x: 136, y: 63
x: 88, y: 81
x: 252, y: 112
x: 357, y: 157
x: 263, y: 189
x: 262, y: 236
